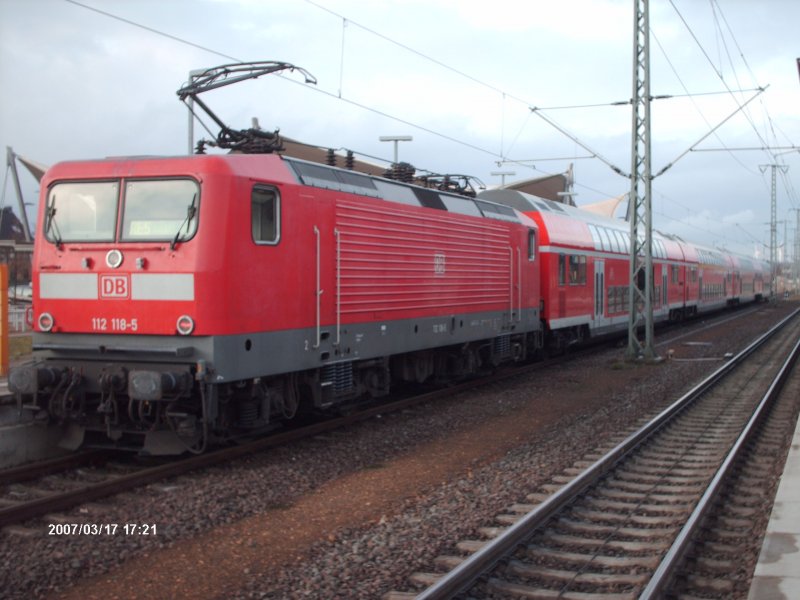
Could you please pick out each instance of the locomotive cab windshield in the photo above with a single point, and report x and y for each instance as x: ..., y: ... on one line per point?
x: 82, y: 212
x: 152, y: 210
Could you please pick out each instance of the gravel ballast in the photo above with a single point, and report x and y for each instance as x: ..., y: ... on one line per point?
x: 354, y: 513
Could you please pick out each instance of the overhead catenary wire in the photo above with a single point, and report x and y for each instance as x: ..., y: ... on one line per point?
x: 768, y: 149
x: 717, y: 9
x: 503, y: 93
x: 152, y: 30
x: 691, y: 97
x: 692, y: 212
x: 717, y: 71
x: 315, y: 89
x: 339, y: 95
x: 687, y: 94
x: 419, y: 54
x: 346, y: 22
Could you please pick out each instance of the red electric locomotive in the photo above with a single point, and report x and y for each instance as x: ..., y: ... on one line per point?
x: 180, y: 301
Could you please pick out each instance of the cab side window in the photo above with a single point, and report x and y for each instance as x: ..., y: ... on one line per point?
x: 265, y: 211
x: 531, y: 245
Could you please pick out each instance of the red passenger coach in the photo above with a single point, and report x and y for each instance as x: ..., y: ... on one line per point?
x: 585, y: 268
x: 585, y: 272
x: 181, y: 301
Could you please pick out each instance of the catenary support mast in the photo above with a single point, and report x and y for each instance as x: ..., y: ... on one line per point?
x: 796, y: 269
x: 640, y: 294
x: 773, y: 228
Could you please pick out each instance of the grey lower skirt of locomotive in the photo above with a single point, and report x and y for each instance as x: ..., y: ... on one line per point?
x: 160, y: 407
x: 130, y: 406
x: 148, y: 408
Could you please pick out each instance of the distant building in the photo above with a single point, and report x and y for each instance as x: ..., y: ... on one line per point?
x: 557, y: 188
x: 11, y: 228
x: 14, y: 250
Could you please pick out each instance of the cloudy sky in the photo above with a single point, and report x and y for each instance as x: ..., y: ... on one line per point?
x: 460, y: 76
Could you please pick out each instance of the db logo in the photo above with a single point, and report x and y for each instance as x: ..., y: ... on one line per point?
x: 114, y: 286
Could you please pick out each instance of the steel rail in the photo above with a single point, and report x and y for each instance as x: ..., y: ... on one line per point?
x: 675, y: 555
x: 63, y: 500
x: 51, y: 465
x: 467, y: 572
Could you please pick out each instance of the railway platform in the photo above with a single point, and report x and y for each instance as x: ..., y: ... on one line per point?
x: 777, y: 574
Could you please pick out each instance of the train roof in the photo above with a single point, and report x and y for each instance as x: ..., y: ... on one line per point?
x: 298, y: 171
x: 570, y: 226
x: 343, y: 180
x: 527, y: 203
x: 612, y: 235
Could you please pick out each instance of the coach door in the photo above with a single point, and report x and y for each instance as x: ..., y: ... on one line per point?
x: 599, y: 290
x: 700, y: 287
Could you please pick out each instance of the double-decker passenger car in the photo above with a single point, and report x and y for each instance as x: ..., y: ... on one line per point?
x: 585, y: 272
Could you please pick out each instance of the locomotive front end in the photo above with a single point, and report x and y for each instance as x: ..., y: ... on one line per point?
x: 115, y: 306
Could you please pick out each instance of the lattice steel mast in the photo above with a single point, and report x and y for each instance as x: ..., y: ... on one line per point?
x: 640, y: 294
x: 796, y: 269
x: 773, y: 228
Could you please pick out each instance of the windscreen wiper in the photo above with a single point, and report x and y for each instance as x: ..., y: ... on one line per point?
x: 191, y: 211
x: 51, y: 223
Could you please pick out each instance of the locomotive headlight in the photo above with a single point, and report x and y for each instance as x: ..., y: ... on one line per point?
x: 114, y: 258
x: 185, y: 325
x: 46, y: 321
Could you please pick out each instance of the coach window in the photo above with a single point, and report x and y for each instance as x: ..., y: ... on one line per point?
x: 562, y: 269
x: 595, y: 237
x: 605, y: 239
x: 265, y: 206
x: 577, y: 270
x: 531, y: 244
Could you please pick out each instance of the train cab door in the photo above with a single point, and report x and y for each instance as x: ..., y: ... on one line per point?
x: 599, y: 292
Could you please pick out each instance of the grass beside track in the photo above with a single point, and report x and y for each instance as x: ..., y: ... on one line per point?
x: 19, y: 347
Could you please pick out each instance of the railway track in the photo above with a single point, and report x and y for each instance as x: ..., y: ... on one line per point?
x: 56, y: 485
x: 621, y: 527
x: 721, y: 562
